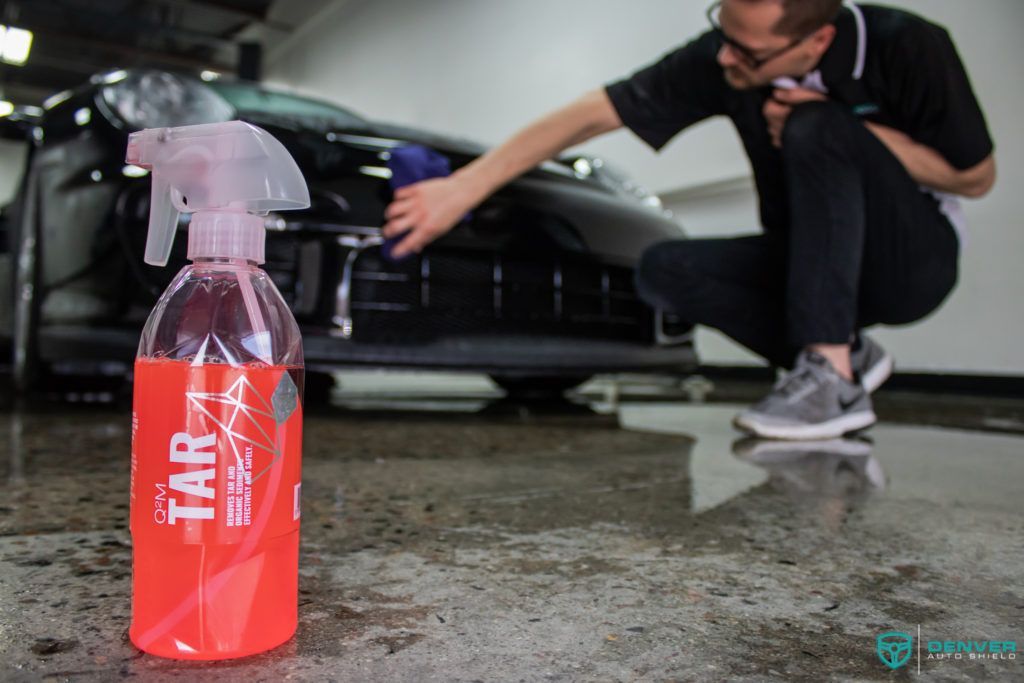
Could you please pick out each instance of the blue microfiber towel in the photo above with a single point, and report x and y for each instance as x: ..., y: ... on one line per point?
x: 410, y: 164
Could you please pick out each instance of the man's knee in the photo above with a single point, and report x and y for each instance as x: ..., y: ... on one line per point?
x: 810, y: 125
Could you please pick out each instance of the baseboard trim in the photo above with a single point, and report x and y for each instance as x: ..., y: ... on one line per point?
x: 1011, y: 386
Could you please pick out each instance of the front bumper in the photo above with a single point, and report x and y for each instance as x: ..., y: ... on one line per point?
x: 448, y: 309
x: 345, y: 287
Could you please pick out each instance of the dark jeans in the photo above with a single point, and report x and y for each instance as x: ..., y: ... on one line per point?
x: 864, y: 246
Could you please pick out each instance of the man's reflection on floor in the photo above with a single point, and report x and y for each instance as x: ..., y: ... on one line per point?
x: 829, y: 475
x: 844, y: 467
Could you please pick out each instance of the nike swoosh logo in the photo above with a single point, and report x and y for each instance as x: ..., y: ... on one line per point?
x: 846, y: 405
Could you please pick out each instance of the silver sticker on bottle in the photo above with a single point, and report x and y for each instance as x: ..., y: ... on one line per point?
x: 285, y: 398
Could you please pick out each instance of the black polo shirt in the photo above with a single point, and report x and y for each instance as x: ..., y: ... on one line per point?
x: 889, y: 66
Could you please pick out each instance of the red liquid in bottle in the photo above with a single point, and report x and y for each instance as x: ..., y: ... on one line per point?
x: 215, y: 485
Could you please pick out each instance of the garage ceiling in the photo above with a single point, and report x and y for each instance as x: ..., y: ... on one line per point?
x: 74, y: 39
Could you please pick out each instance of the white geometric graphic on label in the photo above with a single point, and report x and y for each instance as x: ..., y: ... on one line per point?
x: 246, y: 404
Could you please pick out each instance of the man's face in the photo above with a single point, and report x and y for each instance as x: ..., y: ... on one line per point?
x: 754, y: 55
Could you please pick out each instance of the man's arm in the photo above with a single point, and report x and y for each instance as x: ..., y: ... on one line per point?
x: 430, y: 208
x: 928, y: 168
x: 924, y: 164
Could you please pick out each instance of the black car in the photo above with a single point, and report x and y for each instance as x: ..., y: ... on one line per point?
x: 537, y: 287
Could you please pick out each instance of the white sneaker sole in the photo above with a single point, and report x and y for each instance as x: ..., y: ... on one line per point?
x: 831, y: 429
x: 876, y: 376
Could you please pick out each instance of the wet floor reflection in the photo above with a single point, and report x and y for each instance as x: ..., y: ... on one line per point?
x: 524, y: 466
x: 430, y: 481
x: 835, y: 467
x: 830, y: 477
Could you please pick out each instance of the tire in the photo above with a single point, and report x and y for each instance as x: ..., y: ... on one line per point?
x: 317, y: 390
x: 26, y: 289
x: 538, y: 387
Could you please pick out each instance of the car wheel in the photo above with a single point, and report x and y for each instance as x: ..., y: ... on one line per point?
x: 27, y: 264
x: 318, y: 387
x: 538, y: 386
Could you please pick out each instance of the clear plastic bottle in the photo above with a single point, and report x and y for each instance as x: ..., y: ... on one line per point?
x: 217, y: 420
x: 225, y: 586
x: 203, y: 312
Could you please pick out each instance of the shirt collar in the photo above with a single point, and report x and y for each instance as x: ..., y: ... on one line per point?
x: 844, y: 59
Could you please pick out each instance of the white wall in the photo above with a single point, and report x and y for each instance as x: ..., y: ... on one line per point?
x: 482, y: 68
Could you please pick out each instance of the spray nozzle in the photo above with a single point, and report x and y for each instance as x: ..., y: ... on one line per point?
x: 222, y: 171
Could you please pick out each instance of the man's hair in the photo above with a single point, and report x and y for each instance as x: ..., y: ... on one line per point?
x: 803, y: 17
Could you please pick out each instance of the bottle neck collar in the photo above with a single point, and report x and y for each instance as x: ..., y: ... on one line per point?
x: 226, y: 234
x: 219, y: 263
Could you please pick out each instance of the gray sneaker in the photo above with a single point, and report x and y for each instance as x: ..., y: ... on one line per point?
x: 810, y: 402
x: 871, y: 362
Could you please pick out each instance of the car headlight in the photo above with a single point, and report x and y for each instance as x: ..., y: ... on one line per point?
x: 615, y: 180
x: 155, y: 99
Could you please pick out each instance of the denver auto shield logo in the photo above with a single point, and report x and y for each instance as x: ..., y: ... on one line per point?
x: 894, y: 648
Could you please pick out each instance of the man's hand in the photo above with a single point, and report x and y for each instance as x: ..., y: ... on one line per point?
x: 430, y: 208
x: 777, y: 108
x: 426, y: 210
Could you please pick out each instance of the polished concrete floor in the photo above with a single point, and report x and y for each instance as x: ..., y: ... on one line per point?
x: 450, y: 535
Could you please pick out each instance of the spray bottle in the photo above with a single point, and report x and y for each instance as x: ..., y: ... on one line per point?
x: 217, y: 421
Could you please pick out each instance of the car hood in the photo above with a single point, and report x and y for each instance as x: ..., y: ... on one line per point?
x: 442, y: 143
x: 546, y: 204
x: 460, y: 151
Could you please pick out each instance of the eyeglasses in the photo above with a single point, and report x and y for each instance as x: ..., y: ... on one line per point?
x: 748, y: 55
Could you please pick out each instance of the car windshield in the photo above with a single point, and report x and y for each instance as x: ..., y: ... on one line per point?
x: 251, y: 100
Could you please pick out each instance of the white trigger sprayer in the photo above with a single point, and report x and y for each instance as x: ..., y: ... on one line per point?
x: 228, y: 175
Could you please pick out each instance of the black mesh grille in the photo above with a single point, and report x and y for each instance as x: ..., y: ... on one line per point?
x: 451, y: 292
x: 466, y: 292
x: 282, y: 254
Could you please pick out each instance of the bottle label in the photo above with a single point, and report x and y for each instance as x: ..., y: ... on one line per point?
x: 216, y: 452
